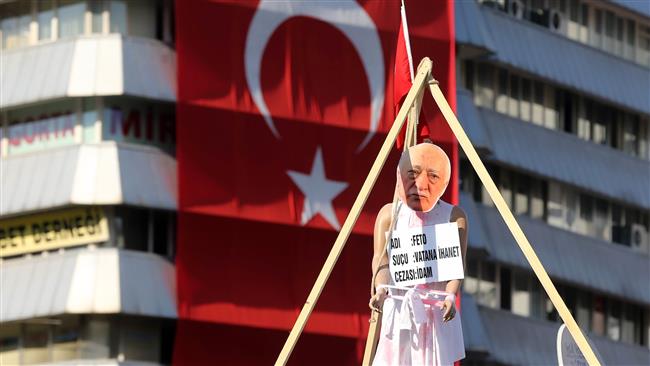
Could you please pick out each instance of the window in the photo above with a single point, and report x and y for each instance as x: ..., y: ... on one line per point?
x: 513, y: 105
x: 44, y: 19
x: 485, y: 92
x: 145, y: 230
x: 15, y: 24
x: 64, y: 338
x: 487, y: 293
x: 96, y: 8
x: 521, y: 205
x: 469, y: 75
x: 71, y: 15
x: 9, y: 344
x: 630, y: 132
x: 502, y: 96
x: 586, y: 207
x: 131, y: 227
x: 480, y: 281
x: 35, y: 343
x: 526, y: 97
x: 538, y: 103
x: 598, y: 315
x: 632, y: 324
x: 505, y: 186
x: 614, y: 320
x: 520, y: 294
x: 117, y: 10
x: 583, y: 310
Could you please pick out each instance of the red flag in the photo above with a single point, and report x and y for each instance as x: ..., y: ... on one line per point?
x: 282, y: 107
x: 403, y: 79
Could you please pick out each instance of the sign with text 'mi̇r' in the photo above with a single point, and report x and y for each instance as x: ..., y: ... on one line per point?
x: 425, y: 254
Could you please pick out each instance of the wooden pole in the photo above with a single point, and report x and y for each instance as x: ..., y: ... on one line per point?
x: 423, y: 74
x: 512, y: 224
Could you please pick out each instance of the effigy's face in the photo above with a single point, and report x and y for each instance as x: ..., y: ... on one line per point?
x: 423, y: 175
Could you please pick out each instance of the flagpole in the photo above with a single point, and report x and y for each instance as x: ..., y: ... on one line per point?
x: 424, y: 73
x: 407, y: 38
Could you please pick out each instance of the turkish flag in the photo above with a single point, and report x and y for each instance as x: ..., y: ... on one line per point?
x: 282, y: 108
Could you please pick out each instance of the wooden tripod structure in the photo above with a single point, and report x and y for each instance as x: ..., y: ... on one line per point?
x: 412, y: 106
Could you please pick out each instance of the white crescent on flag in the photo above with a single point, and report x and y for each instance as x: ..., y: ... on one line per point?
x: 348, y: 17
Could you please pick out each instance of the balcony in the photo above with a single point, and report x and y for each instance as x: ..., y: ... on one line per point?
x: 100, y: 65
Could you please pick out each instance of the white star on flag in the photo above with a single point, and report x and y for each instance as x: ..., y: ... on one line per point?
x: 318, y: 191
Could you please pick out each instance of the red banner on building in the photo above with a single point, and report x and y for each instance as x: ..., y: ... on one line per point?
x: 282, y: 108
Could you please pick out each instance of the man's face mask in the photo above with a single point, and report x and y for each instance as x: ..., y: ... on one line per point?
x: 422, y: 176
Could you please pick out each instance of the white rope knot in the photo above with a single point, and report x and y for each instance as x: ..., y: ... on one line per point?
x: 412, y: 310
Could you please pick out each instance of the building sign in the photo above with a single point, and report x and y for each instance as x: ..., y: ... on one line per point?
x: 45, y: 131
x: 151, y: 125
x: 52, y: 230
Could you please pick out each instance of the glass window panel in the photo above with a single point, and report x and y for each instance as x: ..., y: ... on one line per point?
x: 470, y: 282
x: 9, y: 342
x: 583, y: 306
x: 96, y: 8
x: 619, y: 29
x: 521, y: 195
x: 585, y: 118
x: 502, y: 97
x: 537, y: 303
x: 601, y: 220
x: 526, y: 97
x: 599, y: 21
x: 117, y: 10
x: 488, y: 287
x: 35, y: 343
x: 598, y: 315
x: 15, y: 25
x: 71, y: 18
x: 44, y: 19
x: 469, y: 75
x: 132, y: 227
x: 538, y: 103
x: 95, y: 338
x: 65, y: 338
x: 140, y: 339
x: 486, y: 85
x: 513, y: 105
x: 585, y: 15
x: 537, y: 200
x: 573, y: 10
x: 551, y: 113
x: 600, y: 125
x: 586, y: 207
x: 614, y: 320
x: 161, y: 223
x: 631, y: 325
x: 609, y: 24
x: 142, y: 18
x: 520, y: 294
x: 89, y: 120
x: 630, y: 133
x: 631, y: 32
x: 505, y: 186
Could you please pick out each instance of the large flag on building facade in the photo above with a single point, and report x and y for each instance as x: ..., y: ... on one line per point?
x: 282, y: 108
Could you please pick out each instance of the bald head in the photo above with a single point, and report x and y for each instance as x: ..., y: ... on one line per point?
x: 423, y: 174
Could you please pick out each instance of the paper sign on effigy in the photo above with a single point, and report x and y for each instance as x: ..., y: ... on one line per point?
x: 425, y: 254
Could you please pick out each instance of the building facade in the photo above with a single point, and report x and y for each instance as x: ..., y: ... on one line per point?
x: 88, y: 182
x: 555, y: 95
